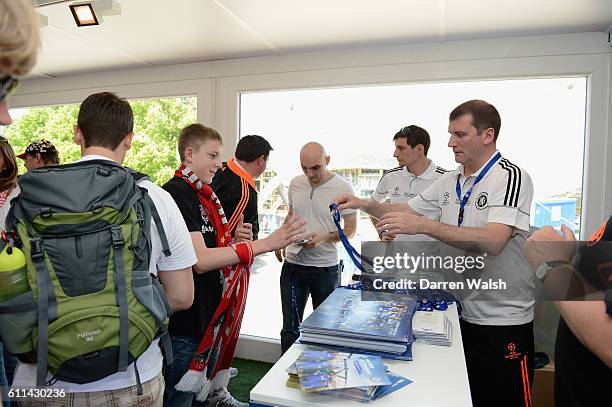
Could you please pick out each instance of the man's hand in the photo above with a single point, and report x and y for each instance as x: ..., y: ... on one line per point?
x: 348, y: 201
x: 395, y: 223
x: 291, y: 231
x: 243, y: 231
x: 547, y: 244
x: 387, y: 237
x: 316, y: 239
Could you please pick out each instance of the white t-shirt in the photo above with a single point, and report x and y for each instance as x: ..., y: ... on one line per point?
x: 399, y: 185
x: 503, y: 196
x: 183, y: 256
x: 312, y: 205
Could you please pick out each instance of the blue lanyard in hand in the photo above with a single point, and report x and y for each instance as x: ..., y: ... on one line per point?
x: 353, y: 253
x: 463, y: 201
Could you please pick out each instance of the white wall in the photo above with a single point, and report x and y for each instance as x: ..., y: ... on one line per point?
x: 218, y: 84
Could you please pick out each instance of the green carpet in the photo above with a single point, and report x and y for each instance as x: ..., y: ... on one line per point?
x: 249, y: 374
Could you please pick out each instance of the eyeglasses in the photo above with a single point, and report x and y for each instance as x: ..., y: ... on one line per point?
x: 8, y: 84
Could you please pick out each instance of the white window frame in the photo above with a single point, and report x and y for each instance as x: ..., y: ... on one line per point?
x: 203, y: 89
x: 596, y: 201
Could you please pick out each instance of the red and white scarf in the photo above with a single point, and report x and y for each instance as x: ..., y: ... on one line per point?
x: 217, y: 347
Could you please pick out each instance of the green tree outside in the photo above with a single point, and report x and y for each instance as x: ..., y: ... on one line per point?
x: 157, y: 123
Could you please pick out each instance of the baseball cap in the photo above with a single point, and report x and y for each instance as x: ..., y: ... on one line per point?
x: 38, y: 147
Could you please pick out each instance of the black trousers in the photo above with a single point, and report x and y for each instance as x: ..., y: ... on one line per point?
x: 499, y: 362
x: 297, y: 283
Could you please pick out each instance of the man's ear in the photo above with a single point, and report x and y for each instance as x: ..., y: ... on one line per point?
x: 38, y: 157
x: 188, y: 154
x: 488, y: 136
x: 326, y: 160
x: 78, y: 136
x: 127, y: 141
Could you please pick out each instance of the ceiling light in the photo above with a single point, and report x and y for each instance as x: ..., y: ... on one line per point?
x: 84, y: 14
x: 90, y: 12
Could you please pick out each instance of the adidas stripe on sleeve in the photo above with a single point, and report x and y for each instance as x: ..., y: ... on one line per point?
x: 510, y: 202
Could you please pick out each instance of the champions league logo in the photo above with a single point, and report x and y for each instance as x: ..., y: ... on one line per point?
x: 446, y: 197
x: 481, y: 201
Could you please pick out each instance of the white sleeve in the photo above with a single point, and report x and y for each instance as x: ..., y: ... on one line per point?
x: 510, y: 201
x: 427, y: 203
x: 382, y: 190
x: 179, y: 239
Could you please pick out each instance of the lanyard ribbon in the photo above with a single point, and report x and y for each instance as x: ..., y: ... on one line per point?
x: 352, y: 252
x: 463, y: 201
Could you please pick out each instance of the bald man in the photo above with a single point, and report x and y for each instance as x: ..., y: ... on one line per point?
x: 311, y: 267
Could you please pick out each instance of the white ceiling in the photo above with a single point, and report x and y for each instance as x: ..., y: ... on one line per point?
x: 155, y: 32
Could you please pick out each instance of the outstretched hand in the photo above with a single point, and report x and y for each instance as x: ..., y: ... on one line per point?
x: 292, y: 230
x: 395, y: 223
x: 547, y: 244
x: 348, y: 201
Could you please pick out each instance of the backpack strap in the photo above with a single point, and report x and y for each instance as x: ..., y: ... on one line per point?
x: 158, y: 224
x: 139, y: 176
x: 164, y: 335
x: 43, y: 282
x: 120, y: 284
x: 139, y: 389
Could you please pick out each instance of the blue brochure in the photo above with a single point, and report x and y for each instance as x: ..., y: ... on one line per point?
x: 320, y: 370
x: 345, y: 314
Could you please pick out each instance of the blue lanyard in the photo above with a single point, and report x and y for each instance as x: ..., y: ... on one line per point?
x: 352, y: 252
x: 463, y: 201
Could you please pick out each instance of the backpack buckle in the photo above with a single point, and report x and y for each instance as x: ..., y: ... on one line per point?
x: 36, y: 248
x: 117, y: 237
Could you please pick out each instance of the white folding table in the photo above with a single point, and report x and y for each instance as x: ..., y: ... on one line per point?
x: 438, y: 373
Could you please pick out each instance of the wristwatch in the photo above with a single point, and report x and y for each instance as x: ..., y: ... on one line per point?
x: 545, y: 267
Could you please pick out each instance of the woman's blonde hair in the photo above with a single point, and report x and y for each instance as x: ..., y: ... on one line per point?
x: 8, y: 174
x: 19, y: 37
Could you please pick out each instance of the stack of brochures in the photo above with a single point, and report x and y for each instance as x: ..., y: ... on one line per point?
x: 380, y: 325
x: 432, y: 327
x: 352, y: 376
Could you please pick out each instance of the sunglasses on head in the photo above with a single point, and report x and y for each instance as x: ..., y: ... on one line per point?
x: 406, y: 131
x: 7, y: 85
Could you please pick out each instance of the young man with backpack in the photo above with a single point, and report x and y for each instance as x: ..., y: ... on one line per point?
x: 100, y: 260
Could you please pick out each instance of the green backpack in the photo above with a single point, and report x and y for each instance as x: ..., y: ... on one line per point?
x: 93, y: 307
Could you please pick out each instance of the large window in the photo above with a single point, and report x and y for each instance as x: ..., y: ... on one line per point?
x: 543, y: 128
x: 157, y: 123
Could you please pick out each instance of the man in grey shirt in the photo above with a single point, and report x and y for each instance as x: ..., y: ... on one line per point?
x: 311, y: 267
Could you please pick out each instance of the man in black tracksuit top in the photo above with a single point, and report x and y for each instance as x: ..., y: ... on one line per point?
x: 234, y: 183
x: 581, y: 286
